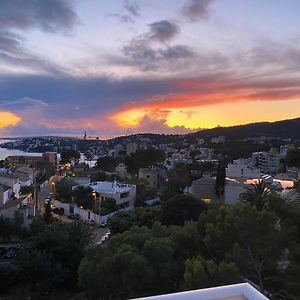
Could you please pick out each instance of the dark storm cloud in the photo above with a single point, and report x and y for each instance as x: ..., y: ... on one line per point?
x: 162, y: 31
x: 48, y: 15
x: 76, y: 97
x: 141, y: 51
x: 195, y: 10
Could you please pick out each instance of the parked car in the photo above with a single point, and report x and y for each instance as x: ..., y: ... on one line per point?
x: 103, y: 225
x: 59, y: 211
x: 74, y: 216
x: 89, y: 222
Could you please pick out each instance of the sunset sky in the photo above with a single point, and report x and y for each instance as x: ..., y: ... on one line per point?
x: 115, y: 67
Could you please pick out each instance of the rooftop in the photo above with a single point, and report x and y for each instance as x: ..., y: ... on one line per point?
x: 241, y: 291
x: 110, y: 187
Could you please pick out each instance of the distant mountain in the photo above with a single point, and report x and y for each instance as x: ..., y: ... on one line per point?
x: 280, y: 129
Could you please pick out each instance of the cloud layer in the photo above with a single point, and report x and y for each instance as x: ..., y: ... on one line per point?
x: 162, y: 69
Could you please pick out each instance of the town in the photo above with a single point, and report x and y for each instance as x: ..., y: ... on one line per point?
x: 114, y: 180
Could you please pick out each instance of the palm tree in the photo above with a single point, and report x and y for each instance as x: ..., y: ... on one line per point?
x: 256, y: 194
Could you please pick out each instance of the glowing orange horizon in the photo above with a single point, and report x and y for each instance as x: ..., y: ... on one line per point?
x: 213, y: 107
x: 8, y: 119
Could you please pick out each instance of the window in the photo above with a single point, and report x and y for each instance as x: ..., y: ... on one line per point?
x: 124, y: 195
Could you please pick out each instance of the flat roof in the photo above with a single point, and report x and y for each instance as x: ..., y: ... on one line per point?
x: 110, y: 187
x: 241, y: 291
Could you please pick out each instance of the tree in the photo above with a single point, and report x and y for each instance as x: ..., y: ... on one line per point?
x: 63, y: 189
x: 64, y: 242
x: 106, y: 163
x: 293, y: 158
x: 2, y: 163
x: 89, y: 156
x: 83, y: 196
x: 41, y: 270
x: 201, y: 273
x: 108, y: 206
x: 68, y: 156
x: 181, y: 208
x: 143, y: 159
x: 48, y: 214
x: 141, y: 216
x: 135, y: 263
x: 257, y: 195
x: 21, y: 160
x: 46, y: 170
x: 251, y: 239
x: 220, y: 180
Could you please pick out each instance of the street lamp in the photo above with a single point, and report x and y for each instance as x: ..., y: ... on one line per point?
x: 99, y: 203
x: 53, y: 189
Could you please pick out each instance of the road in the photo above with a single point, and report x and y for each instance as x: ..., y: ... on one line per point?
x: 45, y: 189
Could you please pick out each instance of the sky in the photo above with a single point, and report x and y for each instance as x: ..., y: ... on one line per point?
x: 117, y: 67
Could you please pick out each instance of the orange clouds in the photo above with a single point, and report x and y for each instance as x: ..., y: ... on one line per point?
x: 8, y: 119
x: 198, y: 103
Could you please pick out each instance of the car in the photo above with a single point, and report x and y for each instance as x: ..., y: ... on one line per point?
x: 74, y: 216
x: 103, y: 225
x: 59, y: 211
x: 89, y: 222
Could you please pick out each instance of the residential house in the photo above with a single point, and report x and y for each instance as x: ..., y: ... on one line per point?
x: 155, y: 176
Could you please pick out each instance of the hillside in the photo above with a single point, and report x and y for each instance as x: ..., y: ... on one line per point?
x: 280, y: 129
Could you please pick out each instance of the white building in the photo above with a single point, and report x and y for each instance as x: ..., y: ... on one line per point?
x: 23, y: 205
x: 11, y: 181
x: 266, y: 161
x: 239, y: 169
x: 124, y: 194
x: 241, y: 291
x: 176, y: 159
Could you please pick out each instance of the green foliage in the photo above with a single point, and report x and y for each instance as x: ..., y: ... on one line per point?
x: 63, y: 189
x: 48, y: 214
x: 243, y: 235
x: 135, y: 263
x: 220, y: 180
x: 46, y: 170
x: 68, y: 156
x: 257, y: 195
x: 293, y: 158
x: 2, y: 163
x: 65, y: 243
x: 41, y: 270
x: 181, y: 208
x: 25, y: 190
x: 144, y: 193
x: 83, y: 196
x: 142, y: 216
x: 143, y: 159
x: 106, y: 163
x: 108, y: 206
x: 11, y: 228
x: 201, y: 273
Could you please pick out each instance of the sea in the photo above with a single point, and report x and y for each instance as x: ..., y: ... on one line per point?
x: 7, y: 152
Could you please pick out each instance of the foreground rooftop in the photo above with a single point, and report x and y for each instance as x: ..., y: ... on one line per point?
x: 241, y: 291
